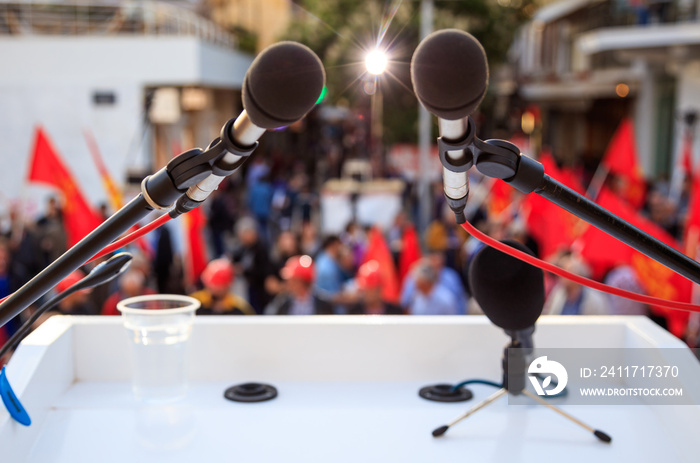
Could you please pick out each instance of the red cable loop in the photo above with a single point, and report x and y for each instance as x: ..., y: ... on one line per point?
x: 128, y: 239
x: 532, y: 260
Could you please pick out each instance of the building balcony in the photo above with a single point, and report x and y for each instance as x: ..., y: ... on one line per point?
x: 107, y: 18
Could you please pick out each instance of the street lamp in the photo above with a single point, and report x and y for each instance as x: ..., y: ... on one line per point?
x: 376, y: 63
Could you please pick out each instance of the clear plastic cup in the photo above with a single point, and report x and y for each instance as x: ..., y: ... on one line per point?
x: 158, y: 327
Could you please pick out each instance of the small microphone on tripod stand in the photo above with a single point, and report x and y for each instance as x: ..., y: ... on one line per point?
x: 511, y: 294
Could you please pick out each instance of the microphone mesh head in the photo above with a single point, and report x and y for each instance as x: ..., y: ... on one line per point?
x: 509, y: 291
x: 450, y: 73
x: 282, y: 85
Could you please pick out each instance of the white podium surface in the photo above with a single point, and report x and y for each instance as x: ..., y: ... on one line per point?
x: 347, y: 393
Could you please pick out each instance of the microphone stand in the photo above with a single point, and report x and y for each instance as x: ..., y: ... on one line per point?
x: 514, y: 366
x: 503, y: 160
x: 158, y: 191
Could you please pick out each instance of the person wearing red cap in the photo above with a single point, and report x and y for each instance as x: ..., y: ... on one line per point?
x: 216, y: 297
x: 369, y: 283
x: 298, y: 297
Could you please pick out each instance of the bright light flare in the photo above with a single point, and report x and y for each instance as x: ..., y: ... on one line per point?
x: 376, y: 62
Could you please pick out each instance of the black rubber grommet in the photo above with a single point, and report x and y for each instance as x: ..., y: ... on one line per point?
x: 445, y: 393
x: 251, y: 392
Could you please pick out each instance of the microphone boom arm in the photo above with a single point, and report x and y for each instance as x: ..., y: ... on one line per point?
x: 503, y: 160
x: 171, y: 185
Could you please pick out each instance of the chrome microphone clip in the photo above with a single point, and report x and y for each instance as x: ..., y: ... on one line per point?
x: 493, y: 158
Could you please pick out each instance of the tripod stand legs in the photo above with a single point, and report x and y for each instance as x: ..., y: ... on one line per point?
x: 599, y: 434
x: 500, y: 393
x: 443, y: 429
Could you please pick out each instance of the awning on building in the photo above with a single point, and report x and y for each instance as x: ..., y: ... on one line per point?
x: 560, y: 9
x: 639, y: 37
x: 599, y: 84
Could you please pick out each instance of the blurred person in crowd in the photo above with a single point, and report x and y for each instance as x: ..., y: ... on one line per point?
x: 355, y: 238
x: 447, y: 237
x: 298, y: 296
x: 141, y: 263
x: 346, y: 296
x: 281, y: 205
x: 287, y: 245
x: 260, y: 204
x: 304, y: 201
x: 164, y: 261
x: 104, y: 211
x: 51, y: 232
x: 253, y: 262
x: 517, y: 230
x: 346, y: 260
x: 26, y: 258
x: 216, y: 297
x: 661, y: 209
x: 446, y: 277
x: 329, y: 273
x: 257, y: 169
x: 309, y: 242
x: 221, y: 217
x: 430, y: 297
x: 472, y: 245
x: 132, y: 283
x: 683, y: 200
x: 395, y: 235
x: 570, y: 298
x: 78, y: 303
x: 5, y: 286
x: 369, y: 290
x: 624, y: 277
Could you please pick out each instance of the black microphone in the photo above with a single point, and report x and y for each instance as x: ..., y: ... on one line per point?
x: 509, y: 291
x: 450, y: 75
x: 281, y: 86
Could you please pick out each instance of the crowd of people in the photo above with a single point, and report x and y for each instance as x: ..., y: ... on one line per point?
x: 269, y: 258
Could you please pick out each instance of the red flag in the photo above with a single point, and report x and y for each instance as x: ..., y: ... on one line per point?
x: 47, y: 167
x: 603, y: 252
x: 196, y: 254
x: 565, y: 175
x: 410, y: 251
x: 621, y: 160
x: 499, y: 198
x: 378, y: 250
x: 551, y: 226
x: 692, y: 225
x: 114, y: 194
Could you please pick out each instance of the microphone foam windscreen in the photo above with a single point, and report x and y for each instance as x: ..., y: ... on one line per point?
x: 509, y: 291
x: 450, y: 73
x: 282, y: 85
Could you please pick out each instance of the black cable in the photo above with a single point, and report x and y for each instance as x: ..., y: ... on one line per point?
x: 102, y: 273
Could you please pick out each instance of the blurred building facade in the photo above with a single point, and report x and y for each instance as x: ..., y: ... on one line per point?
x: 147, y: 79
x: 267, y: 20
x: 586, y: 64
